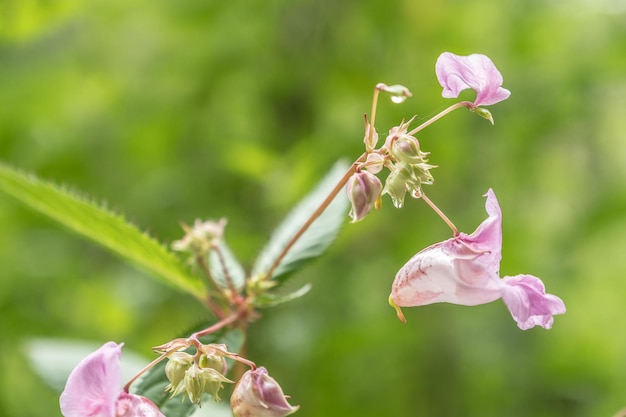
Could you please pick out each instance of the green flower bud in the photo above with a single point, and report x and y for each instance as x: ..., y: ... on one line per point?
x: 203, y: 380
x: 407, y: 149
x: 484, y: 113
x: 396, y: 184
x: 201, y: 238
x: 175, y: 369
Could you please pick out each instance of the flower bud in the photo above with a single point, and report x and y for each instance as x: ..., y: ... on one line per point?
x: 175, y: 370
x: 258, y: 395
x: 364, y: 190
x: 200, y: 238
x: 200, y: 380
x: 407, y: 149
x: 482, y: 112
x: 371, y: 136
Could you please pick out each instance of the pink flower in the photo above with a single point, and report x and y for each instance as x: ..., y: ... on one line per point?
x: 465, y: 270
x: 457, y: 73
x: 93, y: 389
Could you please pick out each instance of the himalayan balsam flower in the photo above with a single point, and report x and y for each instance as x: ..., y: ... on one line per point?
x: 465, y: 270
x: 93, y: 389
x: 457, y: 73
x: 258, y: 395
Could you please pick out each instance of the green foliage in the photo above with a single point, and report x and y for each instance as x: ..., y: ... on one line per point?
x: 177, y: 110
x: 318, y: 236
x: 100, y: 225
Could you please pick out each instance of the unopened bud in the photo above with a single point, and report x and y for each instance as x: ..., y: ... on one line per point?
x: 363, y: 190
x: 200, y: 380
x: 258, y: 395
x: 200, y: 238
x: 407, y: 149
x: 371, y: 136
x: 175, y: 370
x: 484, y: 113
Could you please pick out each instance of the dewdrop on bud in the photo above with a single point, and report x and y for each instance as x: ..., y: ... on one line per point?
x: 399, y: 93
x: 258, y: 395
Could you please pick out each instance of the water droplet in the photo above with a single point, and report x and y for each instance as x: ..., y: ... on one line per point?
x: 398, y: 99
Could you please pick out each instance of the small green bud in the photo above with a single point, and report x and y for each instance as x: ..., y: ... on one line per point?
x: 175, y: 370
x: 484, y: 113
x: 203, y: 380
x: 201, y: 238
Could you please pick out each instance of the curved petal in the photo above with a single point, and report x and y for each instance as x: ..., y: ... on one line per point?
x: 462, y: 270
x: 525, y: 297
x: 456, y: 73
x: 94, y: 385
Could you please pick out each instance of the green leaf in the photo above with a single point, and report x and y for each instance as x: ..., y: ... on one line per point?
x: 314, y: 242
x: 153, y: 383
x: 227, y: 263
x: 102, y: 226
x: 268, y: 299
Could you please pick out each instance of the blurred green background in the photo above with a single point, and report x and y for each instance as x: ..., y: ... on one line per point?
x: 172, y: 110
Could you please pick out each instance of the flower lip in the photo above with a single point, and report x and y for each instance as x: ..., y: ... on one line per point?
x: 456, y: 73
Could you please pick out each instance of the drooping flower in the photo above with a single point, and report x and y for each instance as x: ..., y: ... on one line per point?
x: 457, y: 73
x: 93, y: 389
x: 258, y: 395
x: 465, y: 270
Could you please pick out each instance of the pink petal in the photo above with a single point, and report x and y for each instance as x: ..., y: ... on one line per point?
x: 94, y: 385
x: 434, y: 276
x: 525, y: 297
x: 130, y: 405
x: 462, y: 270
x: 457, y: 73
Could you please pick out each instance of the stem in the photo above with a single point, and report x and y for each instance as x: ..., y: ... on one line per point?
x: 227, y: 277
x: 438, y: 116
x: 436, y: 209
x: 146, y: 368
x: 329, y: 198
x: 213, y: 288
x: 370, y: 131
x: 212, y: 329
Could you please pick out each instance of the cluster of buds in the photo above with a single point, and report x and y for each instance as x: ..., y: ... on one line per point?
x: 200, y: 239
x: 256, y: 393
x: 400, y: 154
x: 197, y: 374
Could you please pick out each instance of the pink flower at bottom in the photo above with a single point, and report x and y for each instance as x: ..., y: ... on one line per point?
x: 93, y: 389
x: 465, y: 270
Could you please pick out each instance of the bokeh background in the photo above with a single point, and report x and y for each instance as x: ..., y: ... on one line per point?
x: 172, y: 110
